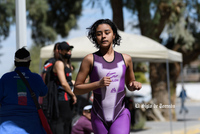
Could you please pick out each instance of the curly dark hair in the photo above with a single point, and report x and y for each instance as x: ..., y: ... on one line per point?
x: 92, y: 32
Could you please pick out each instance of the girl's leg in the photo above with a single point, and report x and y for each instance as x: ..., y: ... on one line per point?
x: 122, y: 124
x: 97, y: 125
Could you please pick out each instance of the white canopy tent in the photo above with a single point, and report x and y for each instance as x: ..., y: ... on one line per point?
x: 139, y: 47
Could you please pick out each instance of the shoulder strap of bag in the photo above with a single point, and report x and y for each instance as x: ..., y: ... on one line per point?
x: 28, y: 86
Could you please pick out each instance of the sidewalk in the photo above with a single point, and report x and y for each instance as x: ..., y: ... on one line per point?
x: 188, y: 124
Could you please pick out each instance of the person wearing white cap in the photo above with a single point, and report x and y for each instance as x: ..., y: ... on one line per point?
x: 18, y: 113
x: 83, y: 124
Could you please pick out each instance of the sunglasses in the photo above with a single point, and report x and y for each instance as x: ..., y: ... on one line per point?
x: 88, y: 111
x: 69, y: 49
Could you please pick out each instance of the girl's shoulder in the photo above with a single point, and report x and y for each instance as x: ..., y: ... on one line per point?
x: 126, y: 56
x: 88, y: 58
x: 58, y: 62
x: 58, y: 65
x: 127, y: 59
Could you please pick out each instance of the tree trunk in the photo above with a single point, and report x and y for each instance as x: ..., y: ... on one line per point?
x: 158, y: 77
x: 150, y: 28
x: 118, y: 18
x: 159, y: 86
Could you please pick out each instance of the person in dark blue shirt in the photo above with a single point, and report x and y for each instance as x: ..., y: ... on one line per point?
x: 18, y: 113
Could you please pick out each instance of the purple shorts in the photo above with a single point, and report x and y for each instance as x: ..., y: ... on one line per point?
x: 120, y: 126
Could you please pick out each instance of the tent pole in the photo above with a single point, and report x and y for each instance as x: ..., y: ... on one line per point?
x: 169, y: 94
x: 182, y: 83
x: 182, y: 74
x: 40, y: 66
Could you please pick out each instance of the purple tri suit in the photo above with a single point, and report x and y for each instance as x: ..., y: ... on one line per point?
x: 109, y: 114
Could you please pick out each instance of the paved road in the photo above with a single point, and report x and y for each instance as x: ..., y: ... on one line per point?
x: 188, y: 124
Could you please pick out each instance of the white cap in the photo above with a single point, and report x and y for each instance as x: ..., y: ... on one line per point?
x: 88, y: 107
x: 26, y: 59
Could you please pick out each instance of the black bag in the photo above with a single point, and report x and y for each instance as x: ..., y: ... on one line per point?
x: 50, y: 102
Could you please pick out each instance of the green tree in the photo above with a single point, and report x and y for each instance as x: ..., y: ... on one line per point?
x: 183, y: 36
x: 35, y: 56
x: 6, y: 19
x: 46, y: 18
x: 153, y: 17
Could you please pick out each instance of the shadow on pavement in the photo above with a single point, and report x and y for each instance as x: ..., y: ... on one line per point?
x: 187, y: 119
x: 139, y: 130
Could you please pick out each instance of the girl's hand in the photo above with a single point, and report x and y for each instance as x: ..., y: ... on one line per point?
x: 134, y: 85
x: 74, y: 99
x: 105, y: 81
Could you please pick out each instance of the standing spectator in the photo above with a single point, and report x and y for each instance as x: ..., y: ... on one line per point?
x: 183, y: 97
x: 83, y: 124
x: 18, y: 113
x: 66, y: 98
x: 50, y: 62
x: 109, y: 72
